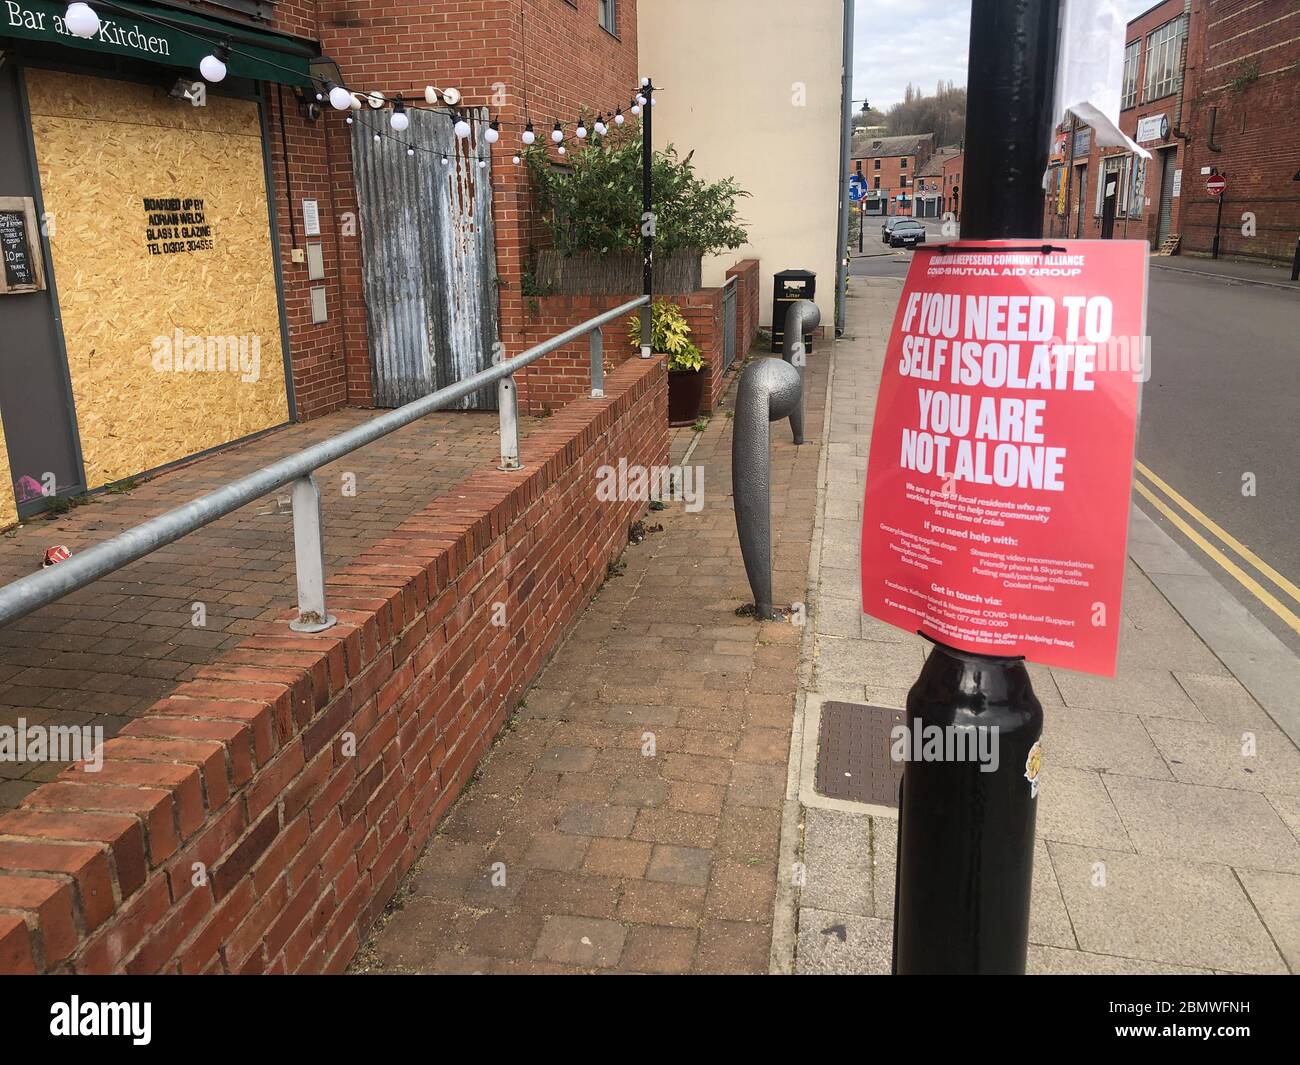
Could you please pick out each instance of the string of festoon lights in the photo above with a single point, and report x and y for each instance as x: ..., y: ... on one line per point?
x: 81, y: 20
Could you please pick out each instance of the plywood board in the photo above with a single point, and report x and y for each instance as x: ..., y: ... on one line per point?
x: 162, y: 253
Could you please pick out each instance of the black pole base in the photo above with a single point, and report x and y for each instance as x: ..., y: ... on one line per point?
x: 966, y: 816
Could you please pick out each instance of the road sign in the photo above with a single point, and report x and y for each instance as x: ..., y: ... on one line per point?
x: 857, y: 188
x: 1216, y: 185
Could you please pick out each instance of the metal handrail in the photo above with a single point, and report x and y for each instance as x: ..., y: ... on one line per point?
x: 36, y: 590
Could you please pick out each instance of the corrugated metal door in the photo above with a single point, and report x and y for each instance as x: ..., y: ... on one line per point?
x: 1165, y: 221
x: 429, y: 255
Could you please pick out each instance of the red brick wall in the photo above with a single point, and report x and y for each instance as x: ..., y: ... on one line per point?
x: 305, y: 773
x: 559, y: 377
x: 747, y: 304
x: 1256, y: 128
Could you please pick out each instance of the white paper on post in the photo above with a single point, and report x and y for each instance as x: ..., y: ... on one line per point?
x: 1090, y: 69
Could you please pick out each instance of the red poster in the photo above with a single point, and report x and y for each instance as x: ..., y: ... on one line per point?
x: 996, y: 513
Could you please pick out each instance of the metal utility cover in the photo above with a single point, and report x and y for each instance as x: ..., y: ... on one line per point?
x: 853, y: 760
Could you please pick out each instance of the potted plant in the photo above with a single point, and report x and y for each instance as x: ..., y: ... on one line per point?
x: 687, y: 368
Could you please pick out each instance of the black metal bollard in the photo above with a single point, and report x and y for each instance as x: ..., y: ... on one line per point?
x: 966, y: 836
x: 769, y: 389
x: 801, y: 317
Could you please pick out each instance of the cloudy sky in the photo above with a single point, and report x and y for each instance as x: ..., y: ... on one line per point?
x: 922, y: 41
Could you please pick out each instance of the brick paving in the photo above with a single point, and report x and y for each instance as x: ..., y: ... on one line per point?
x: 629, y: 818
x: 104, y: 654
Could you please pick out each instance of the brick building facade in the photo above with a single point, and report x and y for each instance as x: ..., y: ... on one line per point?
x: 1210, y: 87
x: 1242, y: 123
x: 890, y: 165
x: 1111, y: 192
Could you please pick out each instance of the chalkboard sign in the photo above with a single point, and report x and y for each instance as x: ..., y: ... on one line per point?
x: 20, y: 246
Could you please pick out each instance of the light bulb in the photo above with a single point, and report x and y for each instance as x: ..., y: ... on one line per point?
x: 640, y: 99
x: 213, y: 67
x: 636, y: 109
x: 516, y: 160
x: 399, y: 120
x: 340, y: 98
x: 446, y: 161
x: 618, y: 117
x: 645, y: 80
x: 376, y: 138
x: 529, y: 136
x: 410, y: 151
x: 348, y: 120
x: 482, y: 163
x: 81, y: 20
x: 493, y: 133
x: 462, y: 128
x: 581, y: 131
x: 600, y: 127
x: 563, y: 150
x: 557, y: 134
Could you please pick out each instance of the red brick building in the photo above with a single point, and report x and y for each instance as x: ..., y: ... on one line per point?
x: 1111, y: 192
x: 890, y: 167
x: 369, y: 275
x: 1243, y: 124
x: 934, y: 181
x: 1210, y: 87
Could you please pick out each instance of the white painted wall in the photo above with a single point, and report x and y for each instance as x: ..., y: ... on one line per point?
x: 754, y: 87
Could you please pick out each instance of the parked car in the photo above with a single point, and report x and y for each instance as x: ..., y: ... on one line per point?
x: 906, y: 233
x: 889, y: 224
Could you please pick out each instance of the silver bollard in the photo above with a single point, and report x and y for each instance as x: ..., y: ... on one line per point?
x: 508, y: 405
x: 800, y: 317
x: 769, y: 389
x: 309, y: 558
x: 597, y: 364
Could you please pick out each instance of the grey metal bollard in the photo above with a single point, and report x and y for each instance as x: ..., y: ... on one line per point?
x: 801, y: 317
x: 769, y: 389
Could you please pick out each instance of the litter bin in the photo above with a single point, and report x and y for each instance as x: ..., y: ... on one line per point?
x: 787, y: 287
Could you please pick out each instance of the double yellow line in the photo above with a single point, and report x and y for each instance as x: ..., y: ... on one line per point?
x: 1179, y: 510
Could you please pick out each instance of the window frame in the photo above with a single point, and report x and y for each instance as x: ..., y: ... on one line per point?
x: 1161, y: 75
x: 610, y: 8
x: 1132, y: 61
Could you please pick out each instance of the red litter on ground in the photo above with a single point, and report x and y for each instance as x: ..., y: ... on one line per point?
x: 55, y: 555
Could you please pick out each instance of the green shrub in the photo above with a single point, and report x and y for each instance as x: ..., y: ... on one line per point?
x: 593, y: 203
x: 671, y: 336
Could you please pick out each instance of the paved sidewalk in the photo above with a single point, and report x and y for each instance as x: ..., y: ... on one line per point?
x: 1170, y: 810
x: 1229, y: 270
x: 628, y: 818
x: 103, y: 655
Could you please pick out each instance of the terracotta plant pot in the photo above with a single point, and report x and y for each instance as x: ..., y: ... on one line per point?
x: 685, y: 393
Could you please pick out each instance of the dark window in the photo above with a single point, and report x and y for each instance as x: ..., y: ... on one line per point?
x: 877, y: 182
x: 859, y: 166
x: 875, y: 164
x: 608, y: 11
x: 902, y: 164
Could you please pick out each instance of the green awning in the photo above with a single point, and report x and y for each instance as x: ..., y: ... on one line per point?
x: 167, y: 36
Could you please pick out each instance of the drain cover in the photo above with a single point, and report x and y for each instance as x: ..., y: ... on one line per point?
x: 853, y: 760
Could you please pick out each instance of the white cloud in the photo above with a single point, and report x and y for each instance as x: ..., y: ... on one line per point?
x: 897, y: 41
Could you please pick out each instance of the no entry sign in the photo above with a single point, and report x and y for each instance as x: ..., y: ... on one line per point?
x: 1217, y: 185
x: 997, y: 500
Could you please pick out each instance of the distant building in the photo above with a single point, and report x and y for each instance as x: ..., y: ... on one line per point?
x: 953, y: 170
x: 1242, y: 123
x: 1111, y: 192
x: 891, y: 166
x: 931, y: 200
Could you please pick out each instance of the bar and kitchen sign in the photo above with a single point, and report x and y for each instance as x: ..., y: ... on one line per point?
x: 181, y: 40
x: 43, y: 22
